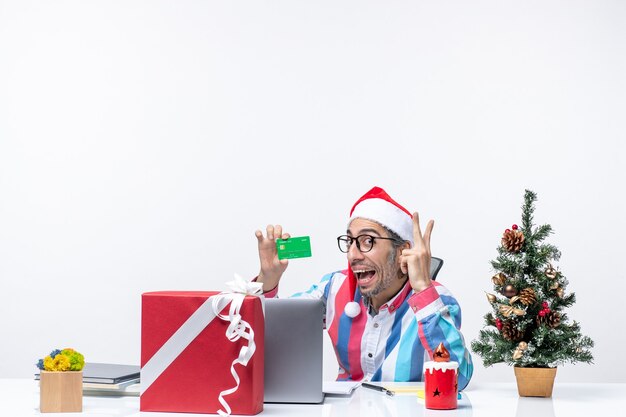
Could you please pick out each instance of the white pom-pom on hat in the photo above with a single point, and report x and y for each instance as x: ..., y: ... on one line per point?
x: 352, y: 309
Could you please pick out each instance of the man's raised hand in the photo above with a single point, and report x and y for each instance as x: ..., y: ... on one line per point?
x: 415, y: 261
x: 271, y: 267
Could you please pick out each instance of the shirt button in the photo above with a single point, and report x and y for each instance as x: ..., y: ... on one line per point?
x: 376, y: 325
x: 369, y: 355
x: 391, y: 308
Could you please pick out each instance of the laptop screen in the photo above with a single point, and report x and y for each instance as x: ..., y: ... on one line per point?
x: 293, y: 350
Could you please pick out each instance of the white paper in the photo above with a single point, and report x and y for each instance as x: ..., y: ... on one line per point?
x: 339, y: 387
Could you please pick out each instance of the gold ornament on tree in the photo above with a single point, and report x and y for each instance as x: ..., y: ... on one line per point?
x: 560, y: 292
x: 509, y: 291
x: 519, y: 350
x: 491, y: 298
x: 499, y: 279
x: 508, y: 311
x: 554, y: 285
x: 513, y: 240
x: 550, y: 272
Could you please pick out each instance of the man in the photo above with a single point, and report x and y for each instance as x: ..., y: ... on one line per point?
x: 384, y: 314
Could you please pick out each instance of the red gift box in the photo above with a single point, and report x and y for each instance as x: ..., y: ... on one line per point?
x: 186, y: 363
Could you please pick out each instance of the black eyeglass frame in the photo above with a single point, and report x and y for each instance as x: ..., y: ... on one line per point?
x: 350, y: 240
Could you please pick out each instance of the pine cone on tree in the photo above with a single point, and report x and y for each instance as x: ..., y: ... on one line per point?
x: 512, y: 240
x: 551, y: 319
x: 527, y: 296
x: 511, y: 332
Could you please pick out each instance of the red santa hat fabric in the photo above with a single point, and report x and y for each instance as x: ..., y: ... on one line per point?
x: 378, y: 206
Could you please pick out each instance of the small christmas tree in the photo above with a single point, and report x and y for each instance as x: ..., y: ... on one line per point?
x: 528, y: 326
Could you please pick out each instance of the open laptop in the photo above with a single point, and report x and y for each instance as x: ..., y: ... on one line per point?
x: 293, y: 350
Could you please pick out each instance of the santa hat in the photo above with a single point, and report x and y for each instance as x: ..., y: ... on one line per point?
x: 378, y: 206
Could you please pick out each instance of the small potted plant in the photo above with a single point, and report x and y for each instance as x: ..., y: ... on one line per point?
x: 61, y: 382
x: 528, y: 326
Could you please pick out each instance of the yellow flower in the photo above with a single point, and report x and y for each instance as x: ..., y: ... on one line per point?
x: 48, y: 363
x: 61, y: 363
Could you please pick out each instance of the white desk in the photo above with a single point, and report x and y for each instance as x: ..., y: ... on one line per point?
x: 20, y: 398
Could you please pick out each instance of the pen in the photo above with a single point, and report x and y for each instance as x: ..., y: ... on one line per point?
x: 377, y: 388
x: 419, y: 390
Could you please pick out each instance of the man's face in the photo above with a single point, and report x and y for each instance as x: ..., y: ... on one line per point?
x: 378, y: 269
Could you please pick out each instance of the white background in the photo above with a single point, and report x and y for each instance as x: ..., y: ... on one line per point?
x: 143, y: 142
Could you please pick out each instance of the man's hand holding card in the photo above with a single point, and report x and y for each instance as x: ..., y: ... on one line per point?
x: 275, y: 249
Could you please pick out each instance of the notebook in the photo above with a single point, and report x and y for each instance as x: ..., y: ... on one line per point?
x: 340, y: 387
x: 293, y: 350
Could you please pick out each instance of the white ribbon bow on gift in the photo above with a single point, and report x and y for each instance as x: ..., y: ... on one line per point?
x: 211, y: 308
x: 238, y: 328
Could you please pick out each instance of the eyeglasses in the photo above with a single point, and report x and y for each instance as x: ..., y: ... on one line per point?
x: 364, y: 243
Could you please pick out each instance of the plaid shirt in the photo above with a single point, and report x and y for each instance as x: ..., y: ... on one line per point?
x: 393, y: 344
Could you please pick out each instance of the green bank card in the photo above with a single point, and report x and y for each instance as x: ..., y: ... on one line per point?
x: 294, y: 247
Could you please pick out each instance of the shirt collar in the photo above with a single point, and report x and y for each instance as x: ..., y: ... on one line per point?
x: 394, y: 303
